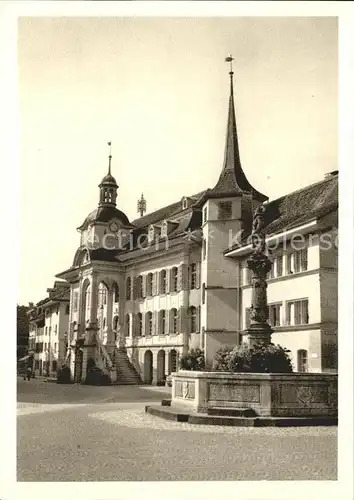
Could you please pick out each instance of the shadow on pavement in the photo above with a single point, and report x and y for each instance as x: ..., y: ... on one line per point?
x: 41, y: 392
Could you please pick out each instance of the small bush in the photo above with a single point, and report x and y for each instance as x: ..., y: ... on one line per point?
x: 194, y: 360
x: 260, y: 358
x: 63, y: 375
x: 221, y: 360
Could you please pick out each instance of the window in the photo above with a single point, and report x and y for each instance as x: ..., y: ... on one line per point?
x: 163, y: 281
x: 279, y: 265
x: 162, y: 322
x: 270, y: 275
x: 289, y: 267
x: 247, y: 317
x: 149, y: 284
x: 115, y: 293
x: 297, y: 312
x: 149, y: 323
x: 54, y: 365
x: 302, y: 361
x: 193, y: 319
x: 55, y: 347
x: 174, y: 321
x: 50, y: 330
x: 193, y: 275
x: 297, y: 261
x: 174, y: 279
x: 303, y: 259
x: 46, y: 330
x: 102, y: 295
x: 205, y: 214
x: 204, y: 249
x: 67, y: 309
x: 56, y: 328
x: 225, y: 210
x: 127, y: 325
x: 139, y: 324
x: 128, y: 288
x: 248, y: 276
x: 274, y: 314
x: 203, y: 293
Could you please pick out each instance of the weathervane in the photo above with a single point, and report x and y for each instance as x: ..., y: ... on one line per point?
x: 110, y: 156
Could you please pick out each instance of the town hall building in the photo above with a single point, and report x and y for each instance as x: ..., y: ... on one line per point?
x: 144, y: 292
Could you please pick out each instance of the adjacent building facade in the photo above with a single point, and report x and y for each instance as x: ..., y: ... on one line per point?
x: 143, y: 293
x: 49, y: 323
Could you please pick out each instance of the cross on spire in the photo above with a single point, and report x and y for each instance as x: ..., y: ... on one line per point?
x: 229, y: 59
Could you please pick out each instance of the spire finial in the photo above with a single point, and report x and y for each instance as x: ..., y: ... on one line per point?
x: 141, y: 205
x: 110, y: 156
x: 229, y: 59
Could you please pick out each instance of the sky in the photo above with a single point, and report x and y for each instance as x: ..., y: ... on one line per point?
x: 158, y: 89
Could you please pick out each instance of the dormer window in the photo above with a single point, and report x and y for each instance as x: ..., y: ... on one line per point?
x: 186, y: 202
x: 164, y: 229
x: 151, y: 234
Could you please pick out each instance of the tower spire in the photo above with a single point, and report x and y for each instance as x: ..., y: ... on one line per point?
x: 232, y: 180
x: 109, y: 157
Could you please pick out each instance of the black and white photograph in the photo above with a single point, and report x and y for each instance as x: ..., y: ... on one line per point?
x: 177, y: 303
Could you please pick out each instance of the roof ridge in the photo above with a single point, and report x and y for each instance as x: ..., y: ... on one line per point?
x: 308, y: 186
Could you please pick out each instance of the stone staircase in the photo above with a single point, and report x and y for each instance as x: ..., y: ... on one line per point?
x: 126, y: 371
x: 117, y: 365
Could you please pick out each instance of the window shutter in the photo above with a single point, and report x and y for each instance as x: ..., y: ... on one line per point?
x: 167, y: 320
x: 184, y: 276
x: 179, y: 280
x: 168, y: 280
x: 198, y: 275
x: 134, y: 288
x: 146, y: 324
x: 144, y: 285
x: 156, y: 322
x: 198, y: 319
x: 156, y: 283
x: 134, y: 322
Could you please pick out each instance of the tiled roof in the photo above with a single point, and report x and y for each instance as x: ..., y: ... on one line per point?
x: 299, y: 207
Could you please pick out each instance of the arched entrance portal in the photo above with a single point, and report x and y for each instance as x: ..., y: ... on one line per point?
x: 161, y: 367
x: 148, y: 367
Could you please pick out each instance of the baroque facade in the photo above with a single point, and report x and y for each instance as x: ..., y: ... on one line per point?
x: 143, y: 293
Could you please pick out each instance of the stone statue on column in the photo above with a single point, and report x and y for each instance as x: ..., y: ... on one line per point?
x: 259, y: 330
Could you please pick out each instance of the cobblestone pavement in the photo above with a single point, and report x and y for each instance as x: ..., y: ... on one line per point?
x: 104, y: 435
